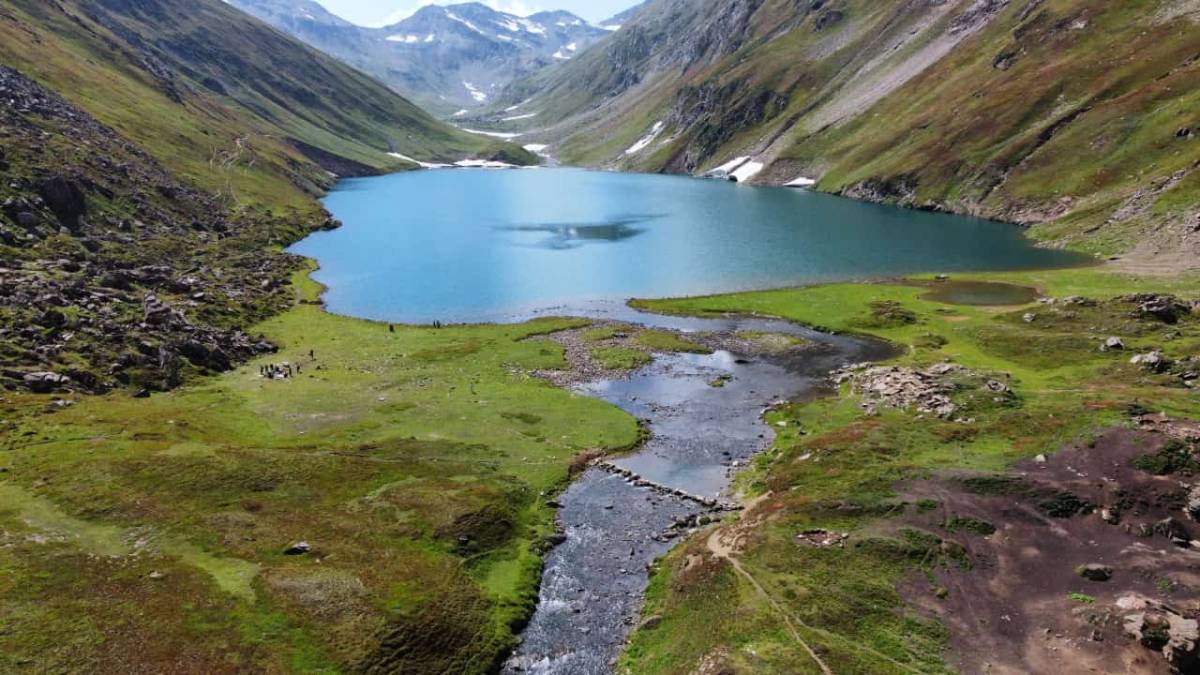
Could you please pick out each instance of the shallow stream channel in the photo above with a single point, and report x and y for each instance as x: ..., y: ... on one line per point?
x: 705, y: 417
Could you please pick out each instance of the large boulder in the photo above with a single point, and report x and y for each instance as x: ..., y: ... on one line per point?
x: 1193, y: 502
x: 1165, y: 308
x: 1154, y: 362
x: 52, y: 318
x: 65, y: 199
x: 1095, y: 572
x: 46, y: 382
x: 28, y: 219
x: 298, y: 548
x: 1163, y: 629
x: 117, y: 279
x: 1174, y: 530
x: 158, y: 313
x: 205, y: 355
x: 151, y: 274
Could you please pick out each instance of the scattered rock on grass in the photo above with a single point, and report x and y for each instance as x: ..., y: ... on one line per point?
x: 823, y: 538
x: 898, y: 387
x: 299, y: 548
x: 1154, y: 362
x: 1095, y: 572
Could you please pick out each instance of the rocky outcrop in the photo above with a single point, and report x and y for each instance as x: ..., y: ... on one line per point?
x: 1162, y: 628
x: 899, y: 190
x: 65, y: 199
x: 335, y: 164
x: 714, y: 114
x: 1165, y: 308
x: 112, y: 272
x: 926, y: 391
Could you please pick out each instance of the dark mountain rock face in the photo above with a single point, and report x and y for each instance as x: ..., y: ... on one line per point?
x: 448, y: 58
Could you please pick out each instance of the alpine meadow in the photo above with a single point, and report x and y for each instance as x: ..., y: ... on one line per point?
x: 718, y: 337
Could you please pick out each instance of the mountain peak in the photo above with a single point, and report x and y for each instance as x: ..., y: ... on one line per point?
x: 450, y: 58
x: 291, y: 11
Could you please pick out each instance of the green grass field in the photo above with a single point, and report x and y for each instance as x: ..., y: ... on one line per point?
x: 416, y: 463
x: 835, y: 467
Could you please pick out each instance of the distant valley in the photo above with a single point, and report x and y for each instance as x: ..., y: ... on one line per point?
x: 451, y: 59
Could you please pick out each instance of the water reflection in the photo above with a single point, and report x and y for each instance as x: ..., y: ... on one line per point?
x: 564, y: 236
x: 981, y: 293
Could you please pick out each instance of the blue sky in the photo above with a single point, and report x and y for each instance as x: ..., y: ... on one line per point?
x: 382, y: 12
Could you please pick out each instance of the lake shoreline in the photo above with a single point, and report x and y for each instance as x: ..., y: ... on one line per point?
x: 410, y: 252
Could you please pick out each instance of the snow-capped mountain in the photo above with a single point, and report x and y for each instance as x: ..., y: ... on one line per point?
x: 291, y: 13
x: 449, y: 58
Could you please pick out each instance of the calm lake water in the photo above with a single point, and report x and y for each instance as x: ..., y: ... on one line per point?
x: 478, y: 245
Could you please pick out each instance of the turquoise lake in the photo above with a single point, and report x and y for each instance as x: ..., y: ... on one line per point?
x: 480, y: 245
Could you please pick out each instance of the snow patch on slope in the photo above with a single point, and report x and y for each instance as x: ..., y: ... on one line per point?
x: 747, y: 171
x: 423, y: 165
x: 493, y: 134
x: 476, y: 93
x: 646, y: 140
x: 454, y: 17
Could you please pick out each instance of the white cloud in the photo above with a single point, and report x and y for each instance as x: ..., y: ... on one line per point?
x: 407, y: 8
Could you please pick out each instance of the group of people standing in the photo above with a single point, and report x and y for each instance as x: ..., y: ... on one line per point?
x: 279, y: 371
x: 285, y: 370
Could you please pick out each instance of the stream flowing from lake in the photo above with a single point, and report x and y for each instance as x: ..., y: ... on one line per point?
x: 459, y: 245
x: 593, y: 582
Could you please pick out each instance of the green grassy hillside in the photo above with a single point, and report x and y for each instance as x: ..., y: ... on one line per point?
x: 1076, y: 116
x: 224, y: 100
x: 156, y: 156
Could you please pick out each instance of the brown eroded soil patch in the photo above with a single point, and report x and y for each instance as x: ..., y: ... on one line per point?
x: 1018, y: 603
